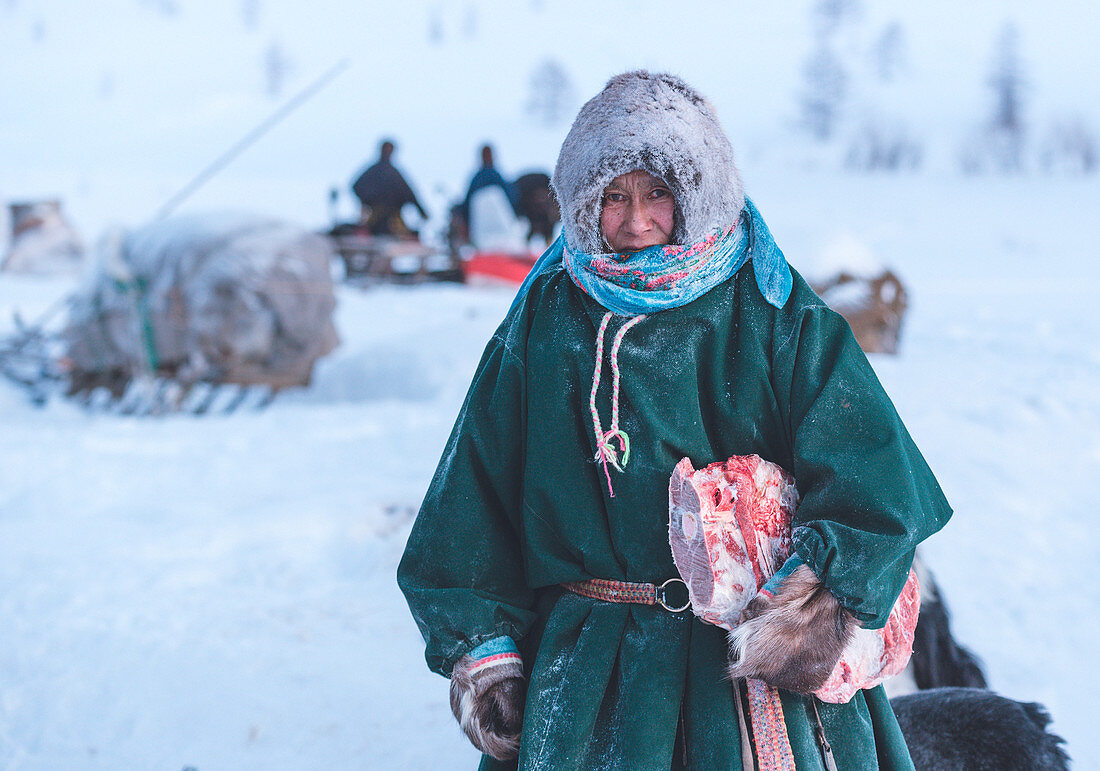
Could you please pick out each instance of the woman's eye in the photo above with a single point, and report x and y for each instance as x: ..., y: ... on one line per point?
x: 614, y: 198
x: 659, y: 192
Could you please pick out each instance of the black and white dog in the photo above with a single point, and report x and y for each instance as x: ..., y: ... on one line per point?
x: 950, y: 722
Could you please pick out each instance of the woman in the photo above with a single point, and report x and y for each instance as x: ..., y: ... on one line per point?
x: 665, y: 323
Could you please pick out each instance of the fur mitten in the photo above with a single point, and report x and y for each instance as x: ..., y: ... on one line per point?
x: 487, y: 697
x: 792, y: 633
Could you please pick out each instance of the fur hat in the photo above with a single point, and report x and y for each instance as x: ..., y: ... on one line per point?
x: 658, y: 123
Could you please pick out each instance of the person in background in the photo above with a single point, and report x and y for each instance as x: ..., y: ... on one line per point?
x: 486, y: 176
x: 490, y: 210
x: 382, y: 191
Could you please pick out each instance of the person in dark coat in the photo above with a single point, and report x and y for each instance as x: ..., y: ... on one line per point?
x: 663, y: 324
x: 487, y: 176
x: 382, y: 191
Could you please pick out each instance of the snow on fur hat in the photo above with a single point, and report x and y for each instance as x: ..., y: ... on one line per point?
x: 658, y: 123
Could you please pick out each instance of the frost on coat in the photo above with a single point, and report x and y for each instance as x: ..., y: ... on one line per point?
x: 517, y: 507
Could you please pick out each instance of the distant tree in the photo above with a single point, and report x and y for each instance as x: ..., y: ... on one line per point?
x: 825, y: 83
x: 550, y: 97
x: 880, y: 145
x: 470, y: 21
x: 163, y: 7
x: 1070, y: 146
x: 889, y: 53
x: 435, y: 27
x: 997, y: 143
x: 825, y: 78
x: 250, y: 14
x: 830, y: 15
x: 277, y: 67
x: 1006, y: 125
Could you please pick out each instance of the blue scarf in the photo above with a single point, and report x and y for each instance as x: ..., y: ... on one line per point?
x: 661, y: 277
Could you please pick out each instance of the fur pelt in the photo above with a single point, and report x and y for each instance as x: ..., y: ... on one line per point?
x: 658, y: 123
x: 489, y: 709
x: 953, y: 729
x: 794, y: 638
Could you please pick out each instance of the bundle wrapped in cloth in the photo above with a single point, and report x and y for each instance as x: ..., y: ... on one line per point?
x: 220, y: 297
x: 730, y: 531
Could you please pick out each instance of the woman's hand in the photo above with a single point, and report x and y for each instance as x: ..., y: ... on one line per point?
x: 488, y: 703
x: 793, y: 638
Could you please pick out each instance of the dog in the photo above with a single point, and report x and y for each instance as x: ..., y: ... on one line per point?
x: 949, y: 719
x: 957, y: 729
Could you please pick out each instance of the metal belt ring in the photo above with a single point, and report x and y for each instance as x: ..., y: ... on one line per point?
x: 662, y: 600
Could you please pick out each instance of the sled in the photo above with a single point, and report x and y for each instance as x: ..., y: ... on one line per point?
x: 193, y: 314
x: 497, y: 268
x: 33, y: 358
x: 495, y: 246
x: 368, y: 258
x: 42, y: 240
x: 873, y: 306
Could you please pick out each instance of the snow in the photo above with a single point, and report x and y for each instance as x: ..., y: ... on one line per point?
x: 219, y: 592
x: 844, y: 253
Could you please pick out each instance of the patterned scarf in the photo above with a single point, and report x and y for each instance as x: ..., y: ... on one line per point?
x: 662, y: 277
x: 655, y: 279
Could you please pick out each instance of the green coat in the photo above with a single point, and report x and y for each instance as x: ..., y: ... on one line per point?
x: 517, y: 506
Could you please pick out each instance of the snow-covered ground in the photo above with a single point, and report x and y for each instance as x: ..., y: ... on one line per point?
x: 219, y: 592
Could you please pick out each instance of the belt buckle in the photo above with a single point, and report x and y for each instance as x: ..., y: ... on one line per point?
x: 661, y: 599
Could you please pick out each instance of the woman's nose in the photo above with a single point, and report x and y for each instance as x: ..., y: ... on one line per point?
x: 639, y: 217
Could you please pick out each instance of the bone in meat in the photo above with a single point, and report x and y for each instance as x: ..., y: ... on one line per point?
x: 730, y: 530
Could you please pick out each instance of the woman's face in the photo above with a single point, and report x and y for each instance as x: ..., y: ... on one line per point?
x: 637, y: 212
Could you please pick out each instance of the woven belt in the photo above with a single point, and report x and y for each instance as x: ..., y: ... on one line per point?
x: 628, y: 591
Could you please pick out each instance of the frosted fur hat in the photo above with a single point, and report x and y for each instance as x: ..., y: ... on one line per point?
x: 658, y: 123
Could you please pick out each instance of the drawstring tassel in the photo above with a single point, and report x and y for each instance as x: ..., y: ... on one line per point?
x: 606, y: 454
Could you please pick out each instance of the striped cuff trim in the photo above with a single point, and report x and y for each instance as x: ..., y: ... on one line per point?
x: 500, y: 660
